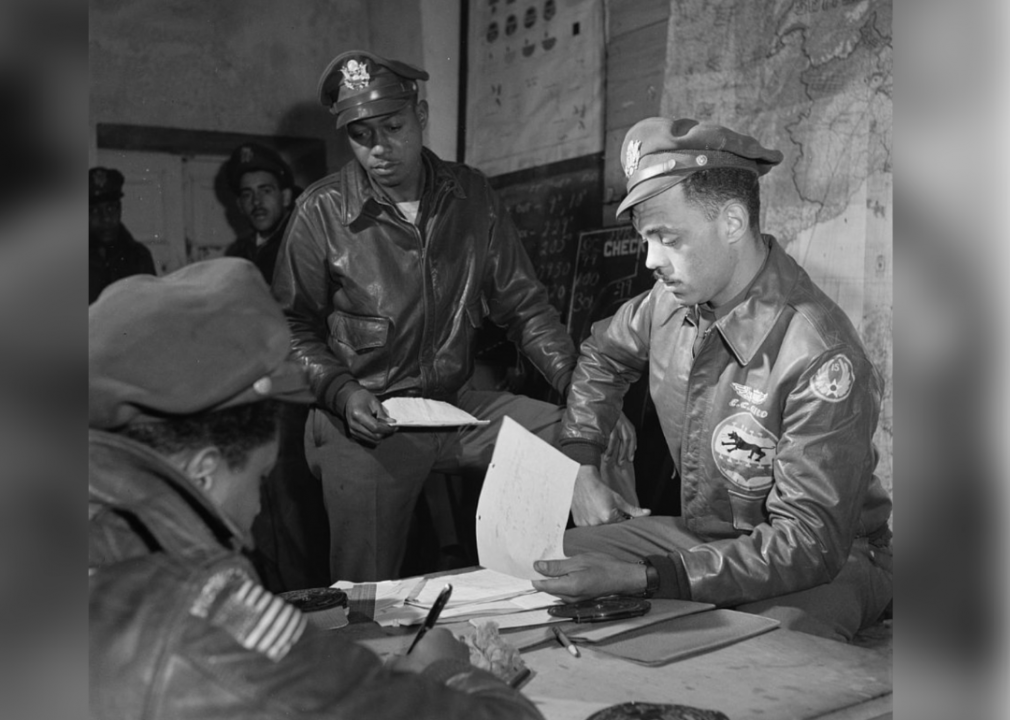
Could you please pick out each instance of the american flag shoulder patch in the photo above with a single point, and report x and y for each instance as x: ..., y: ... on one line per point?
x: 257, y: 619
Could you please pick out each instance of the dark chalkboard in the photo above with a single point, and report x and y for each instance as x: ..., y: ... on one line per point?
x: 551, y: 205
x: 609, y: 269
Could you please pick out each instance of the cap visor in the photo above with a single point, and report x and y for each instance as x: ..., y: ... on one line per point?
x: 372, y: 109
x: 649, y: 189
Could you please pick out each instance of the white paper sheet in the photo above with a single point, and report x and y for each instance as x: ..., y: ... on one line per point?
x: 529, y: 618
x: 477, y: 586
x: 524, y: 504
x: 423, y: 412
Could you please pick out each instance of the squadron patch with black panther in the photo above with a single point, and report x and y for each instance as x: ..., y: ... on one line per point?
x: 257, y: 619
x: 744, y: 451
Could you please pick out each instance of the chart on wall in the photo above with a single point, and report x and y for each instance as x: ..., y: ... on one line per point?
x: 535, y: 82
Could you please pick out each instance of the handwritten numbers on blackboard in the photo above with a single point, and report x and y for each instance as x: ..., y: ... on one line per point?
x: 549, y: 210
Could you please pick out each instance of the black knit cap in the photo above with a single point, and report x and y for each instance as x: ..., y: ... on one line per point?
x: 104, y: 184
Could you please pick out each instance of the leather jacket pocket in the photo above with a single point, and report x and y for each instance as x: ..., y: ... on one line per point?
x: 362, y: 343
x: 359, y: 332
x: 748, y: 509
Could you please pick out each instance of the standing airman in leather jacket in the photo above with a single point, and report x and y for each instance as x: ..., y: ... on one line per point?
x: 185, y: 373
x: 388, y: 269
x: 765, y: 395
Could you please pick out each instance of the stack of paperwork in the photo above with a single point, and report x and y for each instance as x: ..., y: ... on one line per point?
x: 521, y: 517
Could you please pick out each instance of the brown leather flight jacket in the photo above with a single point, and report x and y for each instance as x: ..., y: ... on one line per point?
x: 375, y: 301
x: 179, y: 626
x: 770, y: 427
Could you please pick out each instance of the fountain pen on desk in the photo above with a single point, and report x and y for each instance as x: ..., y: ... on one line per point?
x: 436, y: 610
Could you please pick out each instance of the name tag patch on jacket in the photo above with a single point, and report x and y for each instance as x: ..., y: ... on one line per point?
x: 254, y: 617
x: 833, y: 380
x: 743, y: 451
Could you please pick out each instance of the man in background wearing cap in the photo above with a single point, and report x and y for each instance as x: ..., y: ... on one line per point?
x: 185, y: 373
x: 388, y: 269
x: 113, y: 253
x: 264, y: 185
x: 290, y: 531
x: 765, y: 394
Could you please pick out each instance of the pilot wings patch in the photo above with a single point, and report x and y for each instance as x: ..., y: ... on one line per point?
x: 749, y: 394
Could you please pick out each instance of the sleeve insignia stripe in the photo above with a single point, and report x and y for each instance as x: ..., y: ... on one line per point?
x: 259, y: 620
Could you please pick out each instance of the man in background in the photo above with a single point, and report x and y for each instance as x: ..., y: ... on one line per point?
x: 113, y: 253
x: 264, y: 185
x: 291, y: 530
x: 389, y: 268
x: 765, y: 395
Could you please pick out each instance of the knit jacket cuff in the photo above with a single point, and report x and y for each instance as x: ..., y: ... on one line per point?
x: 673, y: 582
x: 584, y: 453
x: 337, y: 392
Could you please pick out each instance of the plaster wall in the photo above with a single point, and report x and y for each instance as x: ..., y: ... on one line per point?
x: 248, y: 66
x: 251, y: 66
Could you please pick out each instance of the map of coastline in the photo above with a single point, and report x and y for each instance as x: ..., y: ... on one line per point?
x: 812, y: 78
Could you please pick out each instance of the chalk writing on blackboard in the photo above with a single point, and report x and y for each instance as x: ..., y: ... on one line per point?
x: 550, y: 206
x: 609, y: 269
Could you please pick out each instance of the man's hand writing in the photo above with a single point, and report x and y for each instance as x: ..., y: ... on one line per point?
x: 437, y: 644
x: 366, y: 418
x: 593, y: 503
x: 590, y: 575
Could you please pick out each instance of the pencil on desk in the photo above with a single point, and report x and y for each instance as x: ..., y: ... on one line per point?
x: 564, y: 640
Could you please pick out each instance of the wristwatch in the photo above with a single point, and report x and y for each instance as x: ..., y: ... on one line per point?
x: 651, y: 578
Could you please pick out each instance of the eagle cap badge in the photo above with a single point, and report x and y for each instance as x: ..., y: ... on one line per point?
x: 356, y: 74
x: 631, y: 157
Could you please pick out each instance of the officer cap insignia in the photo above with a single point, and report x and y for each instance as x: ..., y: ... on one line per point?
x: 355, y: 74
x: 631, y: 157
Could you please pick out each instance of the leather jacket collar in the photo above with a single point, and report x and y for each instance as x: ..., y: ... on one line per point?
x: 129, y: 477
x: 745, y: 328
x: 357, y: 190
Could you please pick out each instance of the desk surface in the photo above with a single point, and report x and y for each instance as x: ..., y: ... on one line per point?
x: 780, y: 674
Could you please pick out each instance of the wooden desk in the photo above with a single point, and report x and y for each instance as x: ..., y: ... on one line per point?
x: 780, y: 674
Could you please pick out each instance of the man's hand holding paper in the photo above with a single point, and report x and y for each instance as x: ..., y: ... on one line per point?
x: 590, y: 575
